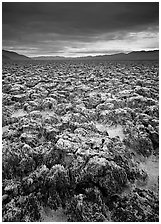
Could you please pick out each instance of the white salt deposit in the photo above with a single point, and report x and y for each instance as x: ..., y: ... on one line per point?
x: 113, y: 131
x: 5, y: 128
x: 151, y: 166
x: 19, y: 113
x: 49, y: 215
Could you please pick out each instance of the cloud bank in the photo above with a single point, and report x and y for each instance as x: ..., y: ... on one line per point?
x: 79, y: 29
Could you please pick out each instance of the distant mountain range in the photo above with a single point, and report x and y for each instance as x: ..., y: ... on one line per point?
x: 57, y: 58
x: 132, y: 56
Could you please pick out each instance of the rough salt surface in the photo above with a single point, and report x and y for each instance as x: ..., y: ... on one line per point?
x: 65, y: 154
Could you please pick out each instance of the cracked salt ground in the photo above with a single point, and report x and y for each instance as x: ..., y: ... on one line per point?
x: 49, y: 215
x: 113, y: 131
x: 150, y: 165
x: 102, y: 94
x: 21, y: 113
x: 53, y: 154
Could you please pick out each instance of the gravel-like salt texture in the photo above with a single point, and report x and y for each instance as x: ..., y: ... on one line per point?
x: 80, y: 141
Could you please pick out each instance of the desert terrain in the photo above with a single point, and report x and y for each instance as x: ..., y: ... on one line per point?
x: 80, y: 141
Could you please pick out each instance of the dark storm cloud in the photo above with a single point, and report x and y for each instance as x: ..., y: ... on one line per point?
x: 26, y: 23
x: 79, y: 17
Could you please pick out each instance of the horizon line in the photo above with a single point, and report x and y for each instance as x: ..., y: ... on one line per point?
x: 97, y: 55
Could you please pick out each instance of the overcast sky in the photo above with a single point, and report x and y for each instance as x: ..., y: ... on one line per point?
x: 79, y: 29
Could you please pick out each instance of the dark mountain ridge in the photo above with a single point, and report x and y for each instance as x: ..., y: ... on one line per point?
x: 11, y: 55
